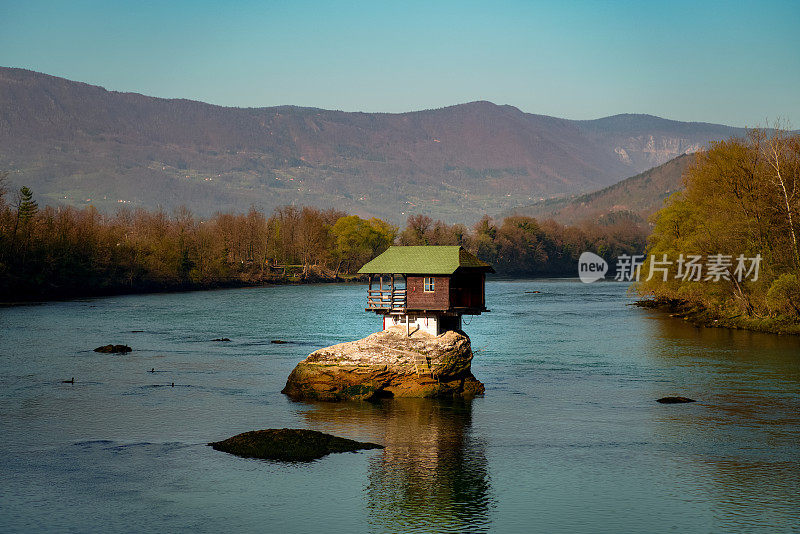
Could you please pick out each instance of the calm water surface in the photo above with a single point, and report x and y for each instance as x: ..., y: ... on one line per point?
x: 568, y: 437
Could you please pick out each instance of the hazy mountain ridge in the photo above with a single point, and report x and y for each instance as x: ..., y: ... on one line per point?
x: 640, y: 196
x: 76, y: 143
x: 647, y: 140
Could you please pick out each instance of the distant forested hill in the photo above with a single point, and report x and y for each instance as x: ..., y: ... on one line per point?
x: 638, y: 196
x: 79, y: 144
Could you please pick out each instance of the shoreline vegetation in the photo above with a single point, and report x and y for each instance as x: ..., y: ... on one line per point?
x: 276, y: 280
x: 701, y: 317
x: 741, y: 201
x: 64, y: 252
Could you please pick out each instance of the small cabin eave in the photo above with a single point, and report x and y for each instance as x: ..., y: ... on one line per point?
x: 425, y: 260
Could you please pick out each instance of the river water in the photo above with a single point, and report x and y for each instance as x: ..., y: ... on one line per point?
x: 568, y: 437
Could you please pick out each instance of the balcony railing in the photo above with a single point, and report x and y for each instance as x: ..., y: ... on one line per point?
x: 392, y: 300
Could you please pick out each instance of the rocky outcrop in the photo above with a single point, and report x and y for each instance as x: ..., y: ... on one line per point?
x: 114, y: 349
x: 387, y: 364
x: 289, y: 445
x: 674, y: 400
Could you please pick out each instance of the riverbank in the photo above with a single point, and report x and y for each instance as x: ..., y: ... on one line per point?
x: 702, y: 317
x: 267, y: 278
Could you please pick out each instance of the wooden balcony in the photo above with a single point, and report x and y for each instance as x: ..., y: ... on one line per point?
x: 392, y: 300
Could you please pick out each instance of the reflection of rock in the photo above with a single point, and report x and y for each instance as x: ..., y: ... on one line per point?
x: 288, y: 444
x: 387, y: 364
x: 432, y: 475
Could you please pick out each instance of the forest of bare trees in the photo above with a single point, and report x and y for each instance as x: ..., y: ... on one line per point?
x: 54, y: 252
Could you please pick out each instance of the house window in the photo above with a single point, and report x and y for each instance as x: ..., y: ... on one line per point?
x: 428, y: 284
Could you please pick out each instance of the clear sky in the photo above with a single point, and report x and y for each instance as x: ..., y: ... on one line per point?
x: 735, y: 63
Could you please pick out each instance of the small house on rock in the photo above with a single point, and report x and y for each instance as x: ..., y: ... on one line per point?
x: 426, y: 288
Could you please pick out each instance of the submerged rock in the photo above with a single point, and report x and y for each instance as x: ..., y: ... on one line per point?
x: 113, y: 349
x: 387, y: 364
x: 674, y: 400
x: 288, y: 444
x: 279, y: 342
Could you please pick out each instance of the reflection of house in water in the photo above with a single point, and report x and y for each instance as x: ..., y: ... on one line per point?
x: 432, y: 473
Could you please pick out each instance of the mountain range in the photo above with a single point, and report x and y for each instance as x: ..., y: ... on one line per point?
x: 79, y: 144
x: 638, y: 197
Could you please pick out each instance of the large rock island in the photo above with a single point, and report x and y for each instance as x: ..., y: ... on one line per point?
x: 387, y: 364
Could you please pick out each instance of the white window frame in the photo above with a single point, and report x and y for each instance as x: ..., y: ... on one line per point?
x: 428, y: 281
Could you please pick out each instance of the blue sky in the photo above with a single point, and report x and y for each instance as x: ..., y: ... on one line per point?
x: 735, y: 63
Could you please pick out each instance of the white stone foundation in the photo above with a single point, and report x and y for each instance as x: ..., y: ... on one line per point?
x: 416, y: 323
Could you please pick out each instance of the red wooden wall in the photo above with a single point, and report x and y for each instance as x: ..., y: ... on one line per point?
x: 418, y: 299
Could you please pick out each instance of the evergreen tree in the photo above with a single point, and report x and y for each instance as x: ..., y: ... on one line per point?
x: 26, y: 211
x: 3, y: 189
x: 26, y: 207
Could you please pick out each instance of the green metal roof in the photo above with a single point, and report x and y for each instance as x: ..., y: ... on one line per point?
x: 424, y: 260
